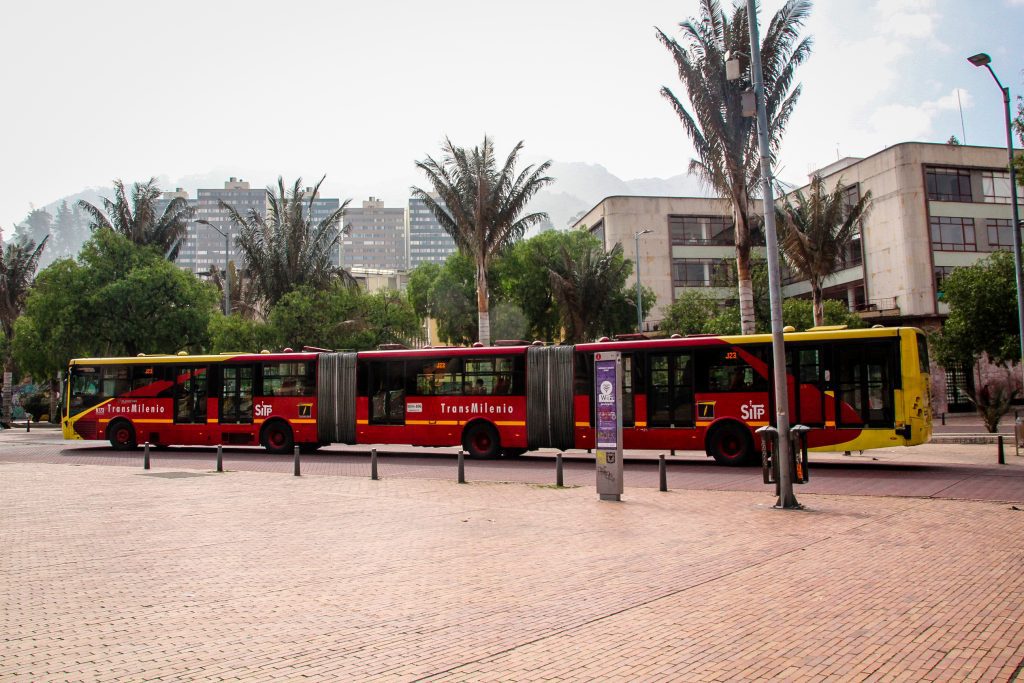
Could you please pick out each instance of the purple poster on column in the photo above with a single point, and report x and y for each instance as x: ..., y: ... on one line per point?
x: 607, y: 419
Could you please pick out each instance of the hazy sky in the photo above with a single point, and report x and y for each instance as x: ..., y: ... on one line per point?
x: 359, y: 90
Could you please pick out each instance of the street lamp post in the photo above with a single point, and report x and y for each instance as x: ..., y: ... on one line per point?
x: 984, y: 60
x: 227, y: 273
x: 639, y: 308
x: 787, y: 499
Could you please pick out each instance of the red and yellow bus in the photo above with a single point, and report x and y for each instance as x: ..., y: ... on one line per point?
x: 856, y: 389
x: 242, y: 399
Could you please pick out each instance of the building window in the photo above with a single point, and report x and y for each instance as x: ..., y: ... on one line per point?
x: 702, y: 272
x: 949, y: 184
x: 953, y: 234
x: 702, y: 230
x: 1000, y: 233
x: 851, y: 195
x: 995, y: 187
x: 941, y: 273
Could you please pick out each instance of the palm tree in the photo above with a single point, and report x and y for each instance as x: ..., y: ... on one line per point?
x: 18, y: 262
x: 136, y: 219
x: 586, y: 287
x: 480, y: 206
x: 285, y: 249
x: 245, y: 300
x: 725, y: 140
x: 815, y: 232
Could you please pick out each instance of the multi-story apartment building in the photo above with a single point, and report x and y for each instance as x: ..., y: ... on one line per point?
x: 934, y: 207
x: 428, y: 241
x: 204, y: 246
x: 375, y: 237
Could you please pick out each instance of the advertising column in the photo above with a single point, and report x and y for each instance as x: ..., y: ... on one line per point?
x: 607, y: 398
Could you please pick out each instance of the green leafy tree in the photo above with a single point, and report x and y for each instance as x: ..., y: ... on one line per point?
x: 982, y: 322
x: 238, y: 333
x: 343, y: 318
x: 285, y: 249
x: 447, y: 293
x: 815, y: 233
x: 590, y: 290
x: 982, y: 319
x: 137, y: 220
x: 799, y: 314
x: 689, y: 313
x: 521, y: 278
x: 117, y: 299
x: 481, y: 206
x: 245, y: 300
x: 725, y: 140
x: 18, y: 262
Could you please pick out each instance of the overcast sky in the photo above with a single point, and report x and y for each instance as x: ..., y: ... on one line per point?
x: 359, y: 90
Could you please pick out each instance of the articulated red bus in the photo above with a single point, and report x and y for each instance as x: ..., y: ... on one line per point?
x: 856, y: 389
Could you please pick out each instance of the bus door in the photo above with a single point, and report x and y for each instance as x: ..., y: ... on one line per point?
x: 387, y: 392
x: 190, y: 392
x: 236, y: 390
x: 865, y: 384
x: 809, y: 377
x: 670, y: 389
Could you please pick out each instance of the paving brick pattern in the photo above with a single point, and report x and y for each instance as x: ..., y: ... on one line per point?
x: 109, y: 573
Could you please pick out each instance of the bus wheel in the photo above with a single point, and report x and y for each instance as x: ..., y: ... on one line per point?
x: 277, y: 437
x: 122, y: 435
x: 481, y: 441
x: 730, y: 444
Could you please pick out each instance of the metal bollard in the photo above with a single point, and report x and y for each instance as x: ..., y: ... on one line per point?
x: 462, y: 467
x: 1002, y: 458
x: 145, y: 456
x: 297, y: 470
x: 28, y: 422
x: 943, y: 419
x: 662, y: 473
x: 672, y: 452
x: 373, y: 464
x: 220, y: 459
x: 559, y: 479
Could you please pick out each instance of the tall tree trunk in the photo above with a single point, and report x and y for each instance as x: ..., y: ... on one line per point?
x: 819, y: 304
x: 483, y: 313
x: 745, y: 284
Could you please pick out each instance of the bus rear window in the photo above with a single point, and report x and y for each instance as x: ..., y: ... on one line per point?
x: 922, y: 352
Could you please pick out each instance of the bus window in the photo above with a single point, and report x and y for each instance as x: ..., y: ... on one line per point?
x: 670, y: 389
x: 116, y: 380
x: 236, y: 394
x: 387, y: 392
x: 723, y: 369
x: 865, y: 389
x: 922, y: 353
x: 289, y: 378
x: 86, y: 388
x: 190, y: 394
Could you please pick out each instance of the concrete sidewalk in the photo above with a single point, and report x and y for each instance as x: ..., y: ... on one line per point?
x: 114, y: 574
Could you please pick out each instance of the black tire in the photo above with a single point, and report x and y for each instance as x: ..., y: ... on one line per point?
x: 481, y: 440
x: 277, y: 437
x: 730, y: 445
x: 122, y: 435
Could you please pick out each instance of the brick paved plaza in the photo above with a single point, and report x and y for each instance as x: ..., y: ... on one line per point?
x: 109, y: 573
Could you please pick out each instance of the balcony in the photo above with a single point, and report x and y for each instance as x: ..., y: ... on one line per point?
x: 878, y: 308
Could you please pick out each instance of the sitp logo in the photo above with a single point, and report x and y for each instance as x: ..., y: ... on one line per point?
x: 263, y: 409
x: 749, y: 411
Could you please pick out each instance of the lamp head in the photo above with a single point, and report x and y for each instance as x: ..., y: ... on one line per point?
x: 980, y: 59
